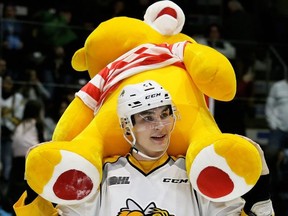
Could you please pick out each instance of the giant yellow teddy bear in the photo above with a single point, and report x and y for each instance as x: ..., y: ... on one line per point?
x: 68, y: 169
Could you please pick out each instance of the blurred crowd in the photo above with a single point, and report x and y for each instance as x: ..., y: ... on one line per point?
x: 37, y: 42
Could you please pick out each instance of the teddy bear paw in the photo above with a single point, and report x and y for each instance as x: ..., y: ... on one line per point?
x: 226, y: 169
x: 61, y: 176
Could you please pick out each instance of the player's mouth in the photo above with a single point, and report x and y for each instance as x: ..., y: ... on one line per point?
x: 159, y: 138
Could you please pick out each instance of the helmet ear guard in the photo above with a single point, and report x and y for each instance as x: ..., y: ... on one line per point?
x: 176, y: 113
x: 127, y: 131
x: 125, y: 125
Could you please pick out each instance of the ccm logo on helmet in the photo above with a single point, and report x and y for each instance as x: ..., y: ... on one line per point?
x: 153, y: 95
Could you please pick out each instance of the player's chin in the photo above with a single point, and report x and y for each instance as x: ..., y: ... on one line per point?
x: 160, y: 147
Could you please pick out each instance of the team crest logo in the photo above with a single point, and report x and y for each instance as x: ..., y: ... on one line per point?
x: 132, y: 208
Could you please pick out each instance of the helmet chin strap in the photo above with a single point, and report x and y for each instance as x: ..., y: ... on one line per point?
x: 135, y: 150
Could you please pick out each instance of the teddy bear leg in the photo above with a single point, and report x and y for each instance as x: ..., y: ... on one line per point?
x: 64, y: 172
x: 227, y: 166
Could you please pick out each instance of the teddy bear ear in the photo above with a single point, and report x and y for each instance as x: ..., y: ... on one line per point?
x: 79, y: 60
x: 165, y: 17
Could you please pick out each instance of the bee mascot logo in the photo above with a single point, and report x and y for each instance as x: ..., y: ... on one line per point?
x: 133, y: 209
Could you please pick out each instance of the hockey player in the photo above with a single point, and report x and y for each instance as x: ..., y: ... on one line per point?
x: 147, y: 181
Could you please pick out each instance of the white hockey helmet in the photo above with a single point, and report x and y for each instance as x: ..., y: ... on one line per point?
x: 140, y: 97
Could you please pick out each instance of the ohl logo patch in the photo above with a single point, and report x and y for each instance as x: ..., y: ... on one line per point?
x: 133, y: 209
x: 118, y: 180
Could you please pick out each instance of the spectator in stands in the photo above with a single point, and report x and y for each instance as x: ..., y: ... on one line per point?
x: 3, y: 67
x: 12, y: 29
x: 12, y: 32
x: 27, y: 134
x: 276, y: 111
x: 33, y: 88
x: 56, y: 29
x: 213, y: 38
x: 56, y: 69
x: 277, y: 115
x: 118, y: 8
x: 239, y: 24
x: 54, y: 112
x: 240, y: 28
x: 231, y: 116
x: 12, y: 105
x: 282, y: 173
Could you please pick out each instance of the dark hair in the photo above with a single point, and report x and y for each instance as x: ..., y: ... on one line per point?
x: 33, y: 109
x: 210, y: 26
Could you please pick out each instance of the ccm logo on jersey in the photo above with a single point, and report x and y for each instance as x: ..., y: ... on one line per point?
x: 118, y: 180
x: 176, y: 181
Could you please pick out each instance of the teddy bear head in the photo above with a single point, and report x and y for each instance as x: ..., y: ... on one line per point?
x: 118, y: 35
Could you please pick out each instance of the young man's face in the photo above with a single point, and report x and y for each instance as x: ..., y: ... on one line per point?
x: 152, y: 130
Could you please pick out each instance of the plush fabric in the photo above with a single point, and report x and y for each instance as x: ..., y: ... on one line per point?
x: 39, y: 207
x: 68, y: 169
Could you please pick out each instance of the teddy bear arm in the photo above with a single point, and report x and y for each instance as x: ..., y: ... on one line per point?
x: 211, y: 71
x: 75, y: 118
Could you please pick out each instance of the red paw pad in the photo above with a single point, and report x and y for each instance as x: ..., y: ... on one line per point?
x: 73, y: 185
x: 221, y: 186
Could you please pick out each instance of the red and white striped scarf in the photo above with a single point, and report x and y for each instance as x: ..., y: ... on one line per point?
x: 142, y: 58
